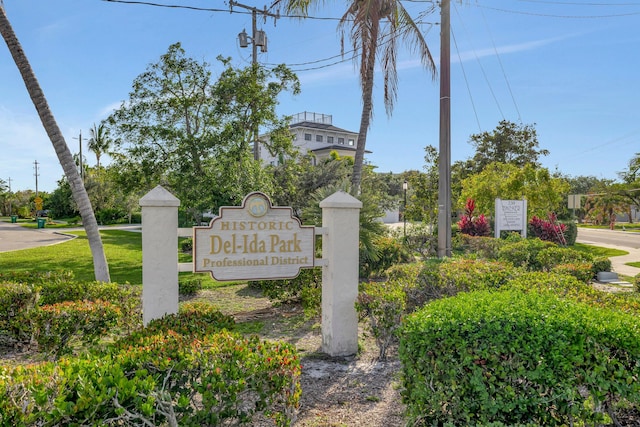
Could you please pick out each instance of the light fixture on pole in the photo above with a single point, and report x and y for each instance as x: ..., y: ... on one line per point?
x: 257, y: 38
x: 405, y: 186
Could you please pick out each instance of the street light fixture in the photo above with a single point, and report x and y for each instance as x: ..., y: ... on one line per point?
x: 405, y: 186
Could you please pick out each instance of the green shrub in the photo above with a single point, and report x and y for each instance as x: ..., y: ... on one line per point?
x: 110, y: 216
x: 548, y: 258
x: 34, y: 278
x: 383, y: 303
x: 220, y: 379
x: 600, y: 264
x: 570, y: 232
x: 186, y: 245
x: 583, y: 271
x: 405, y: 272
x: 482, y: 247
x: 419, y: 239
x: 302, y: 288
x: 523, y: 252
x: 126, y: 297
x: 56, y: 326
x: 388, y: 251
x: 424, y: 287
x: 194, y: 319
x: 517, y: 358
x: 443, y: 278
x: 190, y: 286
x: 16, y: 301
x: 465, y: 275
x: 558, y: 284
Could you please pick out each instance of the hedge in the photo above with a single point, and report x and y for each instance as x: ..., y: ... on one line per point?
x: 184, y: 369
x: 517, y: 358
x: 172, y: 379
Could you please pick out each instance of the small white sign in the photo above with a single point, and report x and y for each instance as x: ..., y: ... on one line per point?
x: 255, y: 241
x: 574, y: 201
x: 511, y: 215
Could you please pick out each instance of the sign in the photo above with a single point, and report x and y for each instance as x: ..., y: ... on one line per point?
x: 574, y: 201
x: 255, y: 241
x: 38, y: 202
x: 511, y: 215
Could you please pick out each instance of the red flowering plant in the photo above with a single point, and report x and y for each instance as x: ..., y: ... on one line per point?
x: 549, y: 230
x: 472, y: 225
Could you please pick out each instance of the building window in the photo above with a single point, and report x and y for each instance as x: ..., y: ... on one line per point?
x: 351, y: 142
x: 330, y: 139
x: 318, y: 138
x: 341, y: 141
x: 307, y: 137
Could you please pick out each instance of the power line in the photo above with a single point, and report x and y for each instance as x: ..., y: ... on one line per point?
x: 466, y: 81
x: 208, y: 9
x: 550, y: 15
x: 504, y: 74
x: 484, y: 73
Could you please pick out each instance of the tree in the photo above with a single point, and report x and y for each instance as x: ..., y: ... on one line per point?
x: 632, y: 174
x: 375, y: 25
x: 423, y: 203
x: 508, y: 143
x: 604, y: 203
x: 182, y: 130
x: 100, y: 142
x: 630, y: 187
x: 89, y: 222
x: 543, y: 192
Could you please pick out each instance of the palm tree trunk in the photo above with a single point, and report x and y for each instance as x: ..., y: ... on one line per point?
x: 100, y: 266
x: 365, y: 119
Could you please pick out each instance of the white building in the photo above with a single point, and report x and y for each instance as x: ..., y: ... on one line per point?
x: 314, y: 133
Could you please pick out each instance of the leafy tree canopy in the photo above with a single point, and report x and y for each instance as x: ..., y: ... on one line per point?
x: 194, y: 135
x: 543, y: 192
x: 508, y: 143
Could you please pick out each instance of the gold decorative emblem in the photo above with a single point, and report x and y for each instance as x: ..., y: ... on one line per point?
x: 257, y: 206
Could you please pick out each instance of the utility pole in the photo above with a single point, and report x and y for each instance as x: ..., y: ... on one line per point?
x: 9, y: 181
x: 258, y: 38
x: 35, y: 167
x: 444, y: 162
x: 80, y: 157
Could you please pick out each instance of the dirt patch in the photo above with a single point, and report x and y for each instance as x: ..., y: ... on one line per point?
x: 336, y: 392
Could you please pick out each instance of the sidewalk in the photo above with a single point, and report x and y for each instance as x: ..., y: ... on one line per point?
x: 618, y: 262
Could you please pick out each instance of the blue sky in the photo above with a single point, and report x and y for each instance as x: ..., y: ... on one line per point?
x: 569, y: 67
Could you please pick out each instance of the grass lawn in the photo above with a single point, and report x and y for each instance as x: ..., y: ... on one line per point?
x: 598, y: 250
x: 634, y: 264
x: 123, y: 250
x: 625, y: 226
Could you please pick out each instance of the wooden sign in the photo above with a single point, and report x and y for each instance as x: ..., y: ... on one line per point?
x: 255, y: 241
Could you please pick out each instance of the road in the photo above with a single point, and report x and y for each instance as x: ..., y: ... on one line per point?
x: 624, y: 240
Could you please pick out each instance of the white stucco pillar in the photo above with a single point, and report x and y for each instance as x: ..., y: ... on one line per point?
x: 341, y: 221
x: 159, y: 254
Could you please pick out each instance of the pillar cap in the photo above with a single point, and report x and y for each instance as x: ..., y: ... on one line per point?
x: 159, y: 197
x: 341, y: 199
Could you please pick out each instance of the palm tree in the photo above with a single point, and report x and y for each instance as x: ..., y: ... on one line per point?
x: 101, y: 268
x: 375, y: 27
x: 100, y: 142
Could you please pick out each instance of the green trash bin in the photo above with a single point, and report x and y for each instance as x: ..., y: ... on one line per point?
x: 14, y: 219
x: 41, y: 222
